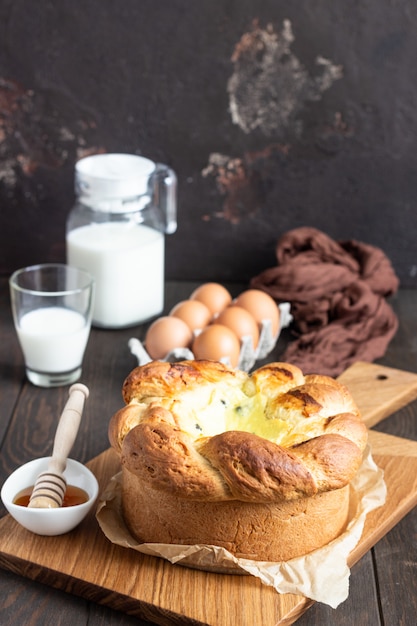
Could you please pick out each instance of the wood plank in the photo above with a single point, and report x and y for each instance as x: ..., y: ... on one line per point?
x: 12, y: 373
x: 379, y: 391
x: 85, y: 563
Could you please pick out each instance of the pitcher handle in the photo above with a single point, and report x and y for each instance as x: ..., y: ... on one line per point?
x: 165, y: 195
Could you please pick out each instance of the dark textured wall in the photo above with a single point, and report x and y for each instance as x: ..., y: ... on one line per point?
x: 274, y: 115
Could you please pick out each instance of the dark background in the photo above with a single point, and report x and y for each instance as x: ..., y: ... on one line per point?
x: 235, y: 96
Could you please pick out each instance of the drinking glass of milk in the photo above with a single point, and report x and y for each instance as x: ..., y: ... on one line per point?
x: 52, y: 307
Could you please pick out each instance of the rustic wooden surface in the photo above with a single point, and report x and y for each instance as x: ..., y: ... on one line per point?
x: 383, y: 583
x: 85, y: 563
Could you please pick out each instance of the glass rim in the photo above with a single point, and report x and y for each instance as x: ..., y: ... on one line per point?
x: 89, y: 279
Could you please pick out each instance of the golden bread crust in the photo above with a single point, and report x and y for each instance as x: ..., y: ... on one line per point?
x: 205, y: 432
x: 160, y: 378
x: 274, y: 532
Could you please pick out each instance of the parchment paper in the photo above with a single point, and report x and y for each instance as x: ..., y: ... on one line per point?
x: 322, y: 575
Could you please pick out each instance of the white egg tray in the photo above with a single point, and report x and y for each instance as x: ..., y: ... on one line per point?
x: 248, y: 356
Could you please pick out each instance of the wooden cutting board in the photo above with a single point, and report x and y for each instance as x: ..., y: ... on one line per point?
x: 85, y: 563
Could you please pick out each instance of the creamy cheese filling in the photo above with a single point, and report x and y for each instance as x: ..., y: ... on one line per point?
x: 211, y: 410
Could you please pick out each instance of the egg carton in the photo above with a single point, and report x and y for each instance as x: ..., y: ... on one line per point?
x: 248, y: 355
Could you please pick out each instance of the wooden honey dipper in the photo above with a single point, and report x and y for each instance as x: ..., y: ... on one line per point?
x: 50, y: 486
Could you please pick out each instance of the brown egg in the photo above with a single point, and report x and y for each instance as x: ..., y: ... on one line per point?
x: 216, y: 342
x: 261, y: 306
x: 213, y: 295
x: 241, y: 322
x: 165, y: 334
x: 193, y: 312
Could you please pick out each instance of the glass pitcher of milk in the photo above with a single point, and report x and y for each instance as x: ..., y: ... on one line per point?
x: 125, y: 205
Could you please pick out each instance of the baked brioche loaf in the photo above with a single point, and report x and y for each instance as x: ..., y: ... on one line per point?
x: 257, y: 463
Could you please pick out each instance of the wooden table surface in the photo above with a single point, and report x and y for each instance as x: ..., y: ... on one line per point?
x: 383, y: 585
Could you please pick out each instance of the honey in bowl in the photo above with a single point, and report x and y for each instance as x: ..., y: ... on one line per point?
x: 73, y: 496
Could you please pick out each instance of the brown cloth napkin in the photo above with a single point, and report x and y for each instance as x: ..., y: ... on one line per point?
x: 337, y: 292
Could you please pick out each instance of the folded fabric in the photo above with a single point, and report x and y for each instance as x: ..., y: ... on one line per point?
x: 337, y: 292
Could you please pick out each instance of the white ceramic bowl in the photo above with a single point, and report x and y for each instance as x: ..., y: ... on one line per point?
x: 49, y: 521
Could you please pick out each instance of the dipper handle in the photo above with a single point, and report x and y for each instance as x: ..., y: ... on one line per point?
x: 50, y: 486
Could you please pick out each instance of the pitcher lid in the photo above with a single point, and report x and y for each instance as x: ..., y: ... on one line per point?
x: 115, y: 175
